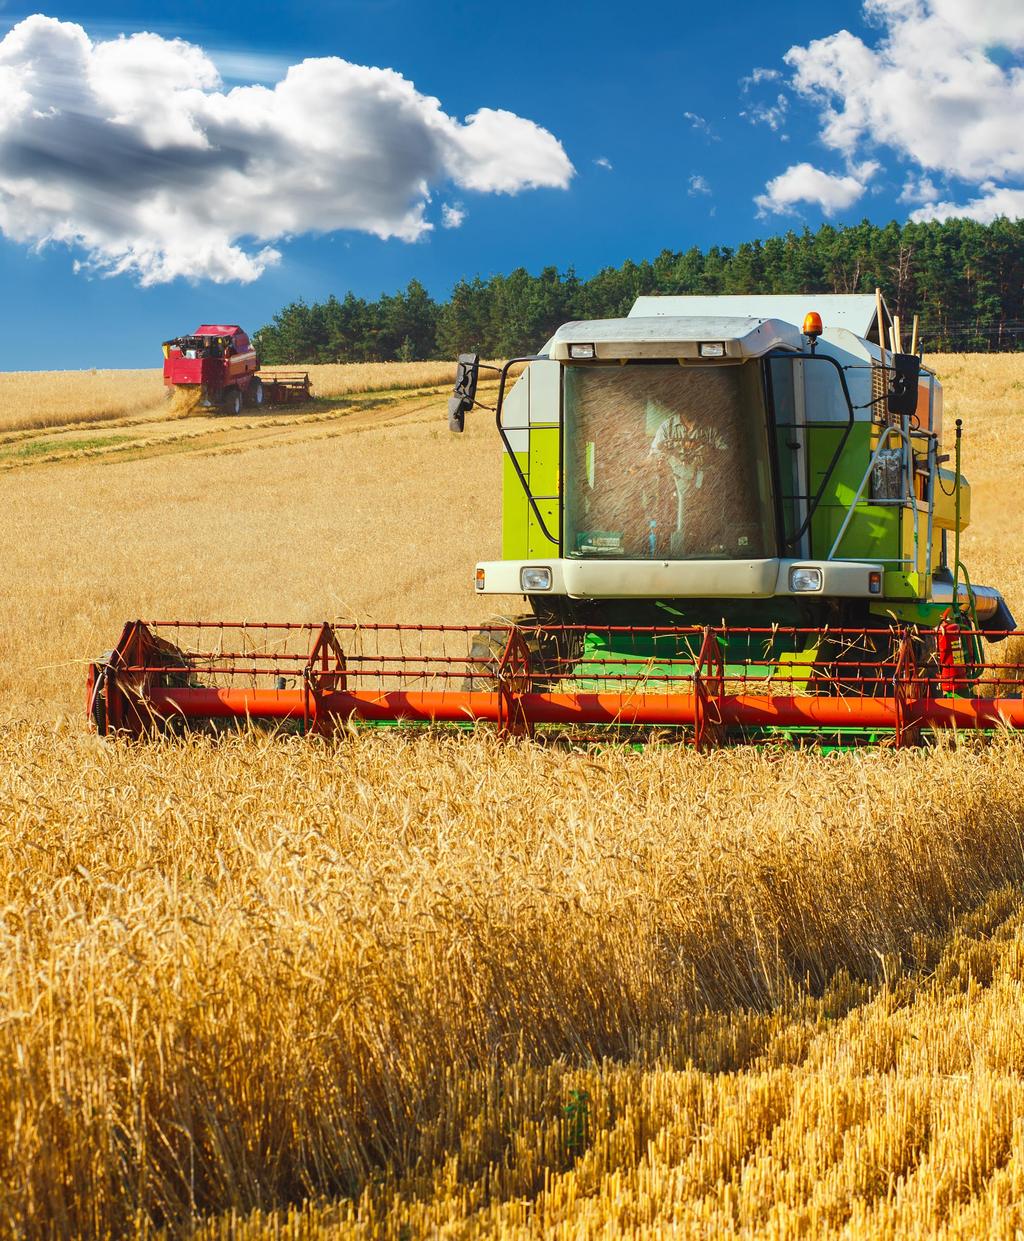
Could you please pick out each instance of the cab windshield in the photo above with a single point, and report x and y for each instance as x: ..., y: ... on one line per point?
x: 664, y: 461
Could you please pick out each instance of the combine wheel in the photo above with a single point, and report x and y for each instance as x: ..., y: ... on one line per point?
x: 233, y: 401
x: 256, y: 393
x: 489, y: 645
x: 98, y: 703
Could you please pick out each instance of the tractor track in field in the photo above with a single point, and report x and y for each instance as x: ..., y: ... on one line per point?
x: 153, y: 434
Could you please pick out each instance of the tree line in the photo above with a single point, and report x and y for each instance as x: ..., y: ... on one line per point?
x: 965, y: 279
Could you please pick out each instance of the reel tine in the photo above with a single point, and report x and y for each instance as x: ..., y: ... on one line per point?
x: 552, y: 676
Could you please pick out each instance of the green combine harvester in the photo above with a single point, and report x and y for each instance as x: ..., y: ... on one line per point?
x: 719, y: 522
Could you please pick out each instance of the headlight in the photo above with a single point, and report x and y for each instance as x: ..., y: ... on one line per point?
x: 582, y: 351
x: 481, y: 578
x: 804, y: 579
x: 531, y: 579
x: 712, y: 349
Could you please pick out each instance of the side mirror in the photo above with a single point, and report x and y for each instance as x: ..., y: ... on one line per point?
x: 466, y: 376
x: 457, y: 408
x: 902, y: 399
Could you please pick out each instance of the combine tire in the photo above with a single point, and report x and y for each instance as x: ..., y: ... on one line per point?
x: 256, y: 393
x: 233, y: 401
x: 489, y: 644
x: 98, y: 705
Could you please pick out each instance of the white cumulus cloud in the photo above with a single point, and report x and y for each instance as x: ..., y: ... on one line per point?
x: 452, y: 215
x: 803, y: 183
x: 919, y: 190
x: 698, y: 185
x: 132, y: 152
x: 942, y: 87
x: 993, y: 202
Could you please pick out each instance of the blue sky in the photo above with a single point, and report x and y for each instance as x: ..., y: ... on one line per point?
x: 657, y: 125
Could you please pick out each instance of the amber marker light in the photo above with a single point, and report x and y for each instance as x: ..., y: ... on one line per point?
x: 812, y: 324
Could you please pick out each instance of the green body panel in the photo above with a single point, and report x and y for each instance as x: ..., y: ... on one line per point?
x: 662, y: 657
x: 910, y: 612
x: 876, y: 531
x: 531, y: 421
x: 521, y: 535
x: 545, y: 459
x: 515, y: 509
x: 898, y: 585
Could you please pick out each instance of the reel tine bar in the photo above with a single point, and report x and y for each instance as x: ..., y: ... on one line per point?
x: 718, y: 681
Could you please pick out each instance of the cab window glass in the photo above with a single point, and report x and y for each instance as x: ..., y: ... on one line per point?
x: 666, y: 461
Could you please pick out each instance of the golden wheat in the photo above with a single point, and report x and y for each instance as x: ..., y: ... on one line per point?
x: 347, y: 378
x: 36, y: 399
x: 414, y: 985
x: 248, y: 972
x: 30, y: 399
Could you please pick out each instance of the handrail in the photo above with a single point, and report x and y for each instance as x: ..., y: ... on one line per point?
x: 792, y: 541
x: 890, y: 429
x: 523, y: 480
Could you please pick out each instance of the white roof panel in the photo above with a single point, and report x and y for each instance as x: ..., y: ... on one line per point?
x: 853, y: 311
x: 674, y: 336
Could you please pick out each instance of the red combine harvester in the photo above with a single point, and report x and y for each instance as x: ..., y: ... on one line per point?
x: 218, y: 359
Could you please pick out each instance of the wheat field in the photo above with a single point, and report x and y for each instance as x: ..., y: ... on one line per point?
x: 409, y: 985
x: 30, y: 400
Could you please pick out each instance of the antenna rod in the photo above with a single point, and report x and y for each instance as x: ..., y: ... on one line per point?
x: 956, y: 519
x: 881, y: 325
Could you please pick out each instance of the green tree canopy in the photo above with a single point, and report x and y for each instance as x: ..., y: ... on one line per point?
x: 965, y: 279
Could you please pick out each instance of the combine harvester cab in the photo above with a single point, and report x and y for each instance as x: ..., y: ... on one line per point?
x: 218, y: 363
x: 723, y: 525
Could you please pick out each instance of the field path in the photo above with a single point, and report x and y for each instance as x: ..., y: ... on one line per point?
x: 154, y: 432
